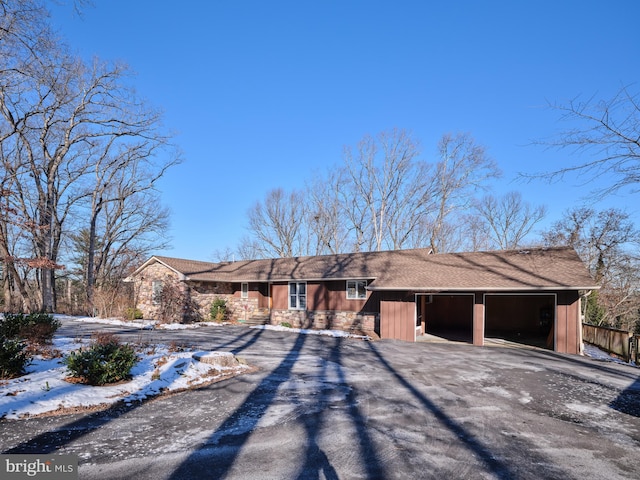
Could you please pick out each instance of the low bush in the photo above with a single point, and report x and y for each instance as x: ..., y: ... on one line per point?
x: 285, y: 324
x: 13, y: 357
x: 105, y: 361
x: 218, y: 310
x: 34, y: 328
x: 133, y: 314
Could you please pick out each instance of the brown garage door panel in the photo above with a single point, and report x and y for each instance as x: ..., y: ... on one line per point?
x: 397, y: 320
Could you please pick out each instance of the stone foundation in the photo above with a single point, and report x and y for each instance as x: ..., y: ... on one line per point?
x: 354, y: 322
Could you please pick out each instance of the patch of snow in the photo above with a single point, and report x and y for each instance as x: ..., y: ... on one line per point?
x: 331, y: 333
x: 525, y: 398
x: 498, y: 391
x: 598, y: 354
x: 582, y: 408
x: 141, y: 324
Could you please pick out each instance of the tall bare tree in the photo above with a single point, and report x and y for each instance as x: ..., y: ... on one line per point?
x: 66, y: 127
x: 326, y: 221
x: 463, y: 169
x: 386, y: 190
x: 508, y: 219
x: 277, y: 223
x: 384, y: 197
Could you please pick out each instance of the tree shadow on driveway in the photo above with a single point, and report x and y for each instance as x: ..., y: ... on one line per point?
x: 316, y: 461
x: 628, y: 401
x: 498, y: 468
x: 234, y: 432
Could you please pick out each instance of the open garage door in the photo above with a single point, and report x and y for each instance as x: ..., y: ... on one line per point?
x: 446, y: 316
x: 526, y: 319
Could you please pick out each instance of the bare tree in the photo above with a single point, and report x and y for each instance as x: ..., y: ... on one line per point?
x: 326, y: 221
x: 123, y: 206
x: 61, y: 121
x: 463, y: 169
x: 607, y: 134
x: 386, y: 190
x: 384, y: 197
x: 508, y: 219
x: 607, y: 241
x: 475, y: 234
x: 276, y: 224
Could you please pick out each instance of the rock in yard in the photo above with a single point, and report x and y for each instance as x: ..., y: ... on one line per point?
x: 220, y: 359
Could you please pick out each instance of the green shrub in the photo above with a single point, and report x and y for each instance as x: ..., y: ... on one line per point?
x: 35, y: 328
x: 104, y: 361
x: 285, y: 324
x: 218, y: 311
x: 13, y: 357
x: 133, y: 314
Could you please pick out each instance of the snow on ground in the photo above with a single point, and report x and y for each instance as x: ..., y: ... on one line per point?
x: 160, y: 369
x: 597, y: 354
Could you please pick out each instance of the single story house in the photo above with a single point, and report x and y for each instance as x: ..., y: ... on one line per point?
x: 528, y: 295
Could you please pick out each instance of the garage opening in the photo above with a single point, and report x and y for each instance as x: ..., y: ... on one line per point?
x: 526, y: 319
x: 446, y: 316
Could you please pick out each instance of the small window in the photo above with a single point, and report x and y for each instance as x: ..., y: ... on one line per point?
x: 356, y: 289
x: 156, y: 292
x: 297, y: 296
x: 244, y: 290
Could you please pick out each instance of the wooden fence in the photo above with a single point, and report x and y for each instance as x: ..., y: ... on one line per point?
x: 621, y: 343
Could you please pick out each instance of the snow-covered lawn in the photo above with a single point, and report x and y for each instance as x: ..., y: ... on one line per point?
x: 160, y: 369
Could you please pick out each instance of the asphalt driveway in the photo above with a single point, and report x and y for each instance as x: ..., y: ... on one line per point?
x: 336, y: 408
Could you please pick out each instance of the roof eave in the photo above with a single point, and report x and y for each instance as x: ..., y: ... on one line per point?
x: 481, y: 289
x: 274, y: 280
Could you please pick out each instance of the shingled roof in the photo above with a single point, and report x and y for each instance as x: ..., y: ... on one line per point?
x: 417, y: 269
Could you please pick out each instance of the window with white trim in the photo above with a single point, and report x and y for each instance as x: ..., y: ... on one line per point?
x: 356, y: 289
x: 244, y: 290
x: 297, y: 295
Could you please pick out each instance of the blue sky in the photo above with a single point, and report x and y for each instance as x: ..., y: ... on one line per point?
x: 262, y: 94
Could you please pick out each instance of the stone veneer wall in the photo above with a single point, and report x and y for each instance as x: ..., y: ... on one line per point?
x: 326, y: 319
x: 238, y: 308
x: 203, y: 294
x: 144, y: 288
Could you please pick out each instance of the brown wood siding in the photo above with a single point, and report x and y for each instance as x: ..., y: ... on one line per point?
x: 331, y: 296
x: 262, y: 290
x: 567, y: 335
x: 259, y: 291
x: 397, y: 316
x: 279, y: 294
x: 478, y: 320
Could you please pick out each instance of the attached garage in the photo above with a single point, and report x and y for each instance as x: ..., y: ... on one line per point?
x: 528, y: 296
